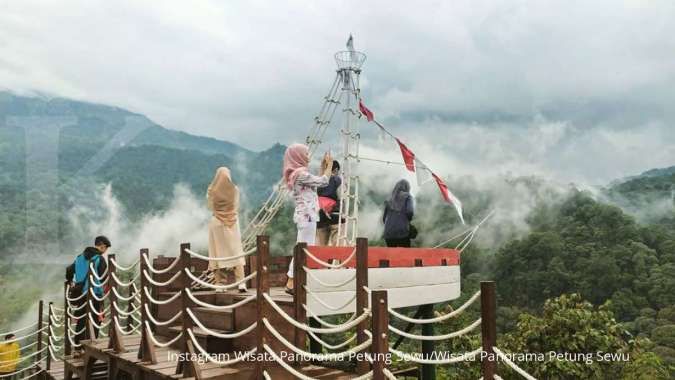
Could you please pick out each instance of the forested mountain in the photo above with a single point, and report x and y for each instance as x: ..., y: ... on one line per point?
x: 577, y: 272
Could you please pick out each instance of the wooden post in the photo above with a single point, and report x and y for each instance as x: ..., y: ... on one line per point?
x: 66, y: 320
x: 114, y: 335
x: 488, y: 308
x: 89, y: 328
x: 300, y: 293
x: 428, y: 370
x: 362, y: 366
x: 191, y: 368
x: 50, y: 316
x: 380, y: 329
x: 146, y: 350
x: 262, y: 287
x: 41, y: 305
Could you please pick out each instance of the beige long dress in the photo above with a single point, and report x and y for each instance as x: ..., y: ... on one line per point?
x: 224, y: 234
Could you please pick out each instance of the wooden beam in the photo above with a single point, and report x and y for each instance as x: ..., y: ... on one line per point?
x: 380, y: 330
x: 50, y: 316
x: 114, y: 335
x: 192, y: 369
x: 262, y: 287
x: 146, y: 350
x: 300, y: 294
x: 41, y: 305
x: 66, y: 320
x: 488, y: 311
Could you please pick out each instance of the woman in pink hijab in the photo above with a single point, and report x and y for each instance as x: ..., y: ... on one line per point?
x: 303, y: 187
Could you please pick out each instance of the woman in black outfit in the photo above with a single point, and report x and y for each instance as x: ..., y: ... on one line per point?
x: 398, y: 212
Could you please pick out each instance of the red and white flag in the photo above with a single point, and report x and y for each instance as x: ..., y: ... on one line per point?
x: 366, y: 112
x: 408, y: 156
x: 422, y: 172
x: 448, y: 196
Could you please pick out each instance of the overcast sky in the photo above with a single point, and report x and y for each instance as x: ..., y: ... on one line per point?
x: 579, y: 90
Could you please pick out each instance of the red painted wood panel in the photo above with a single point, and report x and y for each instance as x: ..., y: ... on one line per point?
x: 397, y: 257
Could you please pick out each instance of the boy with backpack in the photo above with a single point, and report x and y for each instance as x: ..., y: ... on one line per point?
x: 76, y: 275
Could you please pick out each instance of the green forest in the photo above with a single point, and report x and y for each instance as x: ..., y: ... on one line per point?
x: 590, y: 272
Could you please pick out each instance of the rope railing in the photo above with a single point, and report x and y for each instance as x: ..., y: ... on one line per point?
x: 19, y: 329
x: 511, y: 364
x: 441, y: 318
x: 122, y: 268
x: 220, y: 259
x: 97, y: 298
x: 161, y: 302
x: 76, y: 298
x: 327, y: 264
x: 327, y: 306
x: 100, y: 326
x: 92, y: 271
x: 326, y: 284
x: 323, y: 322
x: 159, y: 271
x: 122, y: 330
x: 158, y: 343
x: 219, y: 307
x: 162, y: 323
x: 122, y: 283
x: 213, y: 359
x: 158, y: 283
x: 451, y: 360
x: 331, y: 346
x: 37, y: 331
x: 219, y: 287
x: 320, y: 357
x: 217, y: 334
x: 12, y: 374
x: 23, y: 358
x: 319, y: 330
x: 125, y: 313
x: 454, y: 334
x: 121, y: 297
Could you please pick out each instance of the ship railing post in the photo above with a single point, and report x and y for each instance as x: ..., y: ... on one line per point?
x: 380, y: 329
x: 146, y: 350
x: 262, y: 311
x: 50, y: 316
x: 91, y: 334
x: 114, y: 335
x: 188, y: 367
x: 66, y: 320
x: 133, y: 291
x: 488, y: 307
x: 38, y: 357
x: 300, y: 293
x: 362, y: 366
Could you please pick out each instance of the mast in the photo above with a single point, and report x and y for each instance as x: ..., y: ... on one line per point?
x: 349, y: 64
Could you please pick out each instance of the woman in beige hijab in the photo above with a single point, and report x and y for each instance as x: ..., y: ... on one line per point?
x: 224, y: 236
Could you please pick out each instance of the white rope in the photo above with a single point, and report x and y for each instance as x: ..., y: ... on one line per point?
x: 221, y: 287
x: 72, y: 343
x: 229, y: 258
x: 286, y: 366
x: 162, y: 323
x: 327, y: 306
x: 71, y: 330
x: 125, y: 313
x: 212, y: 359
x: 97, y: 298
x: 497, y: 377
x: 304, y: 327
x: 513, y: 365
x: 454, y: 313
x: 217, y: 307
x: 157, y: 283
x: 56, y: 324
x: 122, y: 283
x: 22, y: 359
x: 157, y: 343
x: 388, y: 374
x: 158, y: 302
x: 437, y: 337
x: 24, y: 336
x: 18, y: 330
x: 51, y: 353
x: 92, y: 271
x: 53, y: 314
x: 329, y: 265
x: 321, y: 321
x: 455, y: 359
x: 52, y: 341
x: 217, y: 334
x: 159, y: 271
x: 94, y: 310
x: 74, y: 299
x: 120, y: 297
x: 330, y: 346
x: 328, y: 285
x: 453, y: 238
x: 5, y: 375
x: 330, y: 356
x: 123, y: 269
x: 101, y: 326
x: 122, y: 330
x: 266, y: 376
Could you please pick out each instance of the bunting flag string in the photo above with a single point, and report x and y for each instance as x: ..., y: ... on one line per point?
x: 415, y: 165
